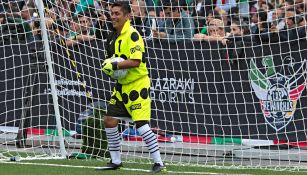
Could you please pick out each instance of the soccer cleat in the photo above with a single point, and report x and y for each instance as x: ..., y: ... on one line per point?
x: 156, y: 168
x: 111, y: 166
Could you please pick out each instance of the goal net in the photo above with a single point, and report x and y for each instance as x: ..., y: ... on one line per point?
x: 227, y: 81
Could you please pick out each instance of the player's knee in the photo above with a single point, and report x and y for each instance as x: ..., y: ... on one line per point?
x: 141, y: 123
x: 110, y: 122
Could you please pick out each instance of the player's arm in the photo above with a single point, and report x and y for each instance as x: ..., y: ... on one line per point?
x: 128, y: 64
x: 109, y: 67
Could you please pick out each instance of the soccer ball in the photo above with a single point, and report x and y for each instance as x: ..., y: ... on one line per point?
x: 121, y: 73
x: 173, y: 139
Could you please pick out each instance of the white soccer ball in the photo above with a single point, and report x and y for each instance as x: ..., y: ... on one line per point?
x: 121, y: 73
x: 173, y: 139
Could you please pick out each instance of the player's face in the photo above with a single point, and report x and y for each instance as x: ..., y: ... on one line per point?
x: 118, y: 18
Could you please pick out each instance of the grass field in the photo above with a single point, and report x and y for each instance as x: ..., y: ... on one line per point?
x: 82, y: 167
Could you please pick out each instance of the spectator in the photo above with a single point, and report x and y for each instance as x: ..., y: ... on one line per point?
x: 51, y: 17
x: 87, y: 27
x: 198, y: 14
x: 36, y: 32
x: 254, y: 22
x: 22, y: 21
x: 262, y: 32
x: 82, y: 30
x: 155, y: 23
x: 104, y: 25
x: 75, y: 30
x: 262, y: 24
x: 186, y: 5
x: 27, y: 14
x: 64, y: 11
x: 300, y: 7
x: 140, y: 21
x: 2, y: 19
x: 225, y: 5
x: 235, y: 13
x: 161, y: 24
x: 152, y: 13
x: 278, y: 19
x: 13, y: 6
x: 104, y: 5
x: 269, y: 9
x: 288, y: 4
x: 60, y: 29
x: 216, y: 28
x: 243, y: 6
x: 83, y: 5
x: 302, y: 26
x: 255, y: 5
x: 216, y: 32
x: 212, y: 14
x: 290, y: 32
x: 237, y: 29
x: 2, y: 8
x: 290, y: 19
x: 179, y: 24
x: 300, y: 21
x: 204, y: 8
x: 150, y: 3
x: 224, y: 17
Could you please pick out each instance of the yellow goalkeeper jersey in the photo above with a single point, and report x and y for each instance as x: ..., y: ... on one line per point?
x: 128, y: 45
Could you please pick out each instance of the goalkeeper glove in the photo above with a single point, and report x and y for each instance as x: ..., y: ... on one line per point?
x: 109, y: 67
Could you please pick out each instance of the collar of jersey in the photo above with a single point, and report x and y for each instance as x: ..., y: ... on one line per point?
x: 126, y: 26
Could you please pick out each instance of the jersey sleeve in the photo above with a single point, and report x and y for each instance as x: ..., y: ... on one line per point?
x: 136, y: 46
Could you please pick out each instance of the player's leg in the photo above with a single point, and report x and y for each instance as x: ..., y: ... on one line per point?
x: 152, y: 144
x: 138, y: 104
x: 113, y: 138
x: 116, y: 109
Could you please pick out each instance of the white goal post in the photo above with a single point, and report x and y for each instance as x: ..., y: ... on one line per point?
x: 228, y: 80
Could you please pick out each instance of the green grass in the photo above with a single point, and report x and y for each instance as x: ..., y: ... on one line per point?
x: 17, y: 168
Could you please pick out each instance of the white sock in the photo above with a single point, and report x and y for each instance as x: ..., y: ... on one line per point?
x: 114, y: 144
x: 152, y: 143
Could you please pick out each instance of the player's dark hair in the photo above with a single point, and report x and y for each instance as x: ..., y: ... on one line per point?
x: 124, y: 5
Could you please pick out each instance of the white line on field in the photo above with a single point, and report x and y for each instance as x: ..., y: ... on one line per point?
x: 127, y: 169
x: 204, y: 173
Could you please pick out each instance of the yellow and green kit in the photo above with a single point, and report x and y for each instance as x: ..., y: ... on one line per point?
x: 131, y: 96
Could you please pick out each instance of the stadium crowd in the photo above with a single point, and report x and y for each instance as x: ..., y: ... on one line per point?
x: 174, y: 20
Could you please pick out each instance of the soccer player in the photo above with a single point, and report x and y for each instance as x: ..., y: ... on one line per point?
x: 130, y: 97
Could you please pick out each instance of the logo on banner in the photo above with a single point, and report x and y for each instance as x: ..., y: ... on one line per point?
x: 173, y: 90
x: 278, y: 92
x: 67, y: 90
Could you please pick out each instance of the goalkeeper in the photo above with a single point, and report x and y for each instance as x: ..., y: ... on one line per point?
x: 130, y: 97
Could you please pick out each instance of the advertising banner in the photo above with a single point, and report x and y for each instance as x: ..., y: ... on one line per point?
x: 255, y: 92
